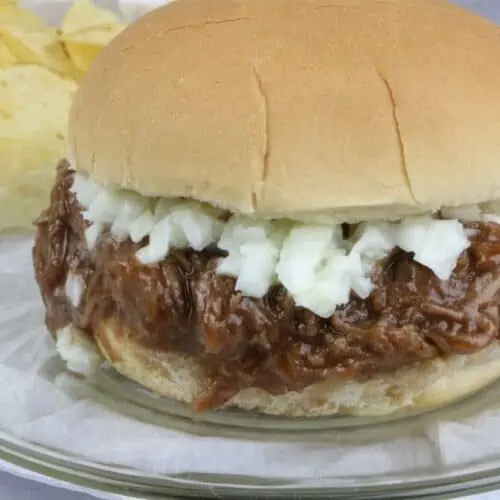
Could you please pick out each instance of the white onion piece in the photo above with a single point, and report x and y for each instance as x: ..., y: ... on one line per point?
x: 177, y: 238
x: 104, y: 208
x: 411, y: 234
x: 362, y: 286
x: 437, y: 244
x: 200, y: 230
x: 257, y: 268
x: 160, y: 240
x: 441, y: 251
x: 85, y: 189
x: 202, y: 208
x: 357, y: 269
x: 239, y: 231
x: 318, y: 301
x: 373, y: 241
x: 230, y: 265
x: 142, y: 226
x: 370, y: 243
x: 278, y: 231
x: 92, y: 234
x: 331, y: 288
x: 120, y: 230
x: 79, y: 352
x: 131, y: 207
x: 74, y: 288
x: 303, y: 251
x: 162, y: 208
x: 238, y: 237
x: 182, y: 227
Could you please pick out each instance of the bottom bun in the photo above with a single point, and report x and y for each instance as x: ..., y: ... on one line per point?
x: 421, y: 386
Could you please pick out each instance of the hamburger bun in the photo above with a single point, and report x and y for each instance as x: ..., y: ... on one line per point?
x: 419, y: 387
x: 392, y: 106
x: 342, y: 110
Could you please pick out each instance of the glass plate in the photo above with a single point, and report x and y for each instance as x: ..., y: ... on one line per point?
x: 124, y: 397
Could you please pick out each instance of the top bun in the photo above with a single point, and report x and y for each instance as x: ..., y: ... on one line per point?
x: 349, y: 109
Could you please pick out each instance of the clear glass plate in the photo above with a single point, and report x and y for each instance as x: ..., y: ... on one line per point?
x: 124, y: 397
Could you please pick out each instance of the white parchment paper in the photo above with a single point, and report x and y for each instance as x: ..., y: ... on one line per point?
x: 39, y: 403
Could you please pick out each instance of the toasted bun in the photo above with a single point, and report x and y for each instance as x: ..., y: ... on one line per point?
x: 345, y: 108
x: 419, y: 387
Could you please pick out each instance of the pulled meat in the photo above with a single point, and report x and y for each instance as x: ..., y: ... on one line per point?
x: 181, y: 304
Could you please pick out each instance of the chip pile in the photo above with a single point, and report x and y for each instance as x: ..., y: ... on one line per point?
x: 40, y: 67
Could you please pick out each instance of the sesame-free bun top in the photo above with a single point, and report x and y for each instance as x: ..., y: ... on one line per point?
x: 345, y: 108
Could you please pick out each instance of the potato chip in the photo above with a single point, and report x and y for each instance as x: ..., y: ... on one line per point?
x: 35, y: 97
x: 7, y: 58
x: 84, y: 14
x: 40, y: 48
x: 34, y: 104
x: 100, y: 35
x: 82, y: 56
x: 12, y: 15
x: 85, y: 30
x: 32, y: 41
x: 85, y: 45
x: 26, y: 174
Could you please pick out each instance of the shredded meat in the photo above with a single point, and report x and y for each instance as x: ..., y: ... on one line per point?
x: 181, y: 304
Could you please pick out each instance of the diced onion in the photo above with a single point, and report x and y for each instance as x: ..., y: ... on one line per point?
x: 79, y: 352
x: 92, y: 234
x: 303, y: 252
x: 319, y: 268
x: 85, y: 189
x: 253, y: 253
x: 257, y: 268
x: 141, y: 226
x: 160, y: 240
x: 74, y: 288
x: 437, y: 244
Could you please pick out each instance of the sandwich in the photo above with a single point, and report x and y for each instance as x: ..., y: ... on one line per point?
x: 284, y: 206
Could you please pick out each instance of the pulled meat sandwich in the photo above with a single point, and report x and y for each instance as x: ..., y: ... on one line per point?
x: 286, y: 206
